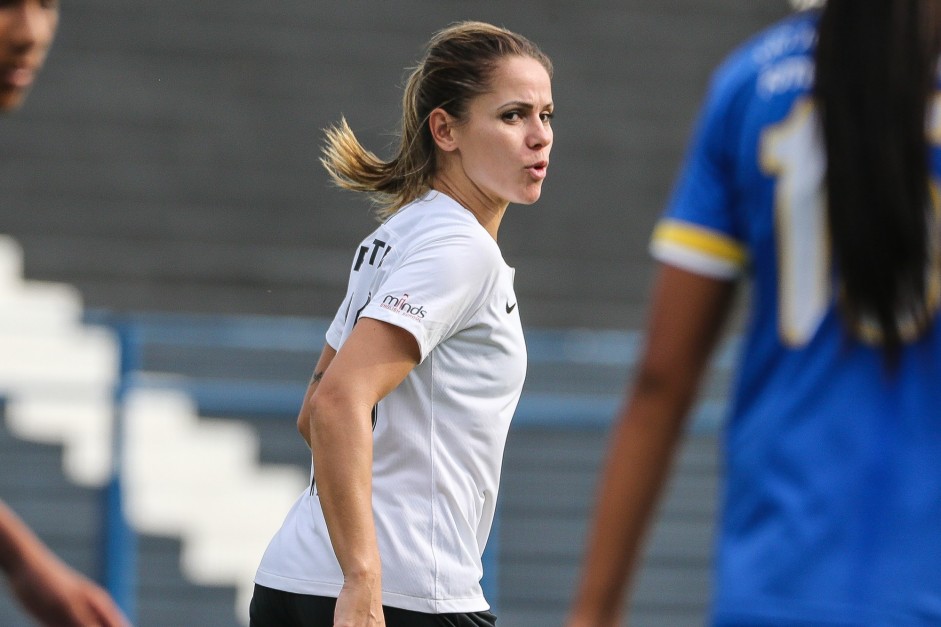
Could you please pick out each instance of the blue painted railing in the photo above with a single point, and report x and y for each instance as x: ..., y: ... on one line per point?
x: 119, y: 568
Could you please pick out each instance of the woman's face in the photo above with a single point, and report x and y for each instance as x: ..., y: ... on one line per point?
x: 505, y: 140
x: 27, y: 28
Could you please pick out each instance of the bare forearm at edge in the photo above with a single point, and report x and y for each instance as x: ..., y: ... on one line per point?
x: 637, y: 466
x: 341, y: 443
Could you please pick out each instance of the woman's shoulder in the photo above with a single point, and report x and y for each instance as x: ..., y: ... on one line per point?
x: 436, y: 219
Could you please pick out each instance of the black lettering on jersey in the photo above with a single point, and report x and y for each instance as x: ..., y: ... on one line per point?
x: 384, y: 255
x: 359, y: 258
x: 377, y: 245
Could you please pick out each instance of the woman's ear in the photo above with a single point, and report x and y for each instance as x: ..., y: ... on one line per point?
x: 441, y: 125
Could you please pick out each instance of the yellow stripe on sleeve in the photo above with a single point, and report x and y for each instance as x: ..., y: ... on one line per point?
x: 702, y: 240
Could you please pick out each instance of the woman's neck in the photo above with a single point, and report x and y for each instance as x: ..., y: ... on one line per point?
x: 489, y: 213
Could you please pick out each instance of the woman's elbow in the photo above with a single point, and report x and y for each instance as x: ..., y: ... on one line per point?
x: 303, y: 422
x: 315, y: 408
x: 325, y: 410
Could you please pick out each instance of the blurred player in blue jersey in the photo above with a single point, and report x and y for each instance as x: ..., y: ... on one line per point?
x: 813, y: 171
x: 48, y: 589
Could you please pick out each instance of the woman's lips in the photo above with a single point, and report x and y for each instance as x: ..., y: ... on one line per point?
x: 538, y: 170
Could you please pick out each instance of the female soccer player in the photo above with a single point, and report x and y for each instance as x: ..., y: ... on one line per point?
x: 813, y: 170
x: 410, y: 402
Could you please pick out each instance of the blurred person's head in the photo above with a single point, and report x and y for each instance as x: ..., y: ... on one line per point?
x: 27, y: 28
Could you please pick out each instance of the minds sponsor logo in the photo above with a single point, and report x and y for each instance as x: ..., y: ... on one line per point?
x: 400, y: 304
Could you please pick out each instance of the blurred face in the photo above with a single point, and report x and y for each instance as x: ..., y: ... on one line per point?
x: 504, y: 143
x: 27, y: 28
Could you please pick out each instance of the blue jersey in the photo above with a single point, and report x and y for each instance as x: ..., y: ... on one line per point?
x: 832, y: 501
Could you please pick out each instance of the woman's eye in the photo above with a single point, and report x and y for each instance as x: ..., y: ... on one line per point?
x: 546, y: 117
x: 511, y: 116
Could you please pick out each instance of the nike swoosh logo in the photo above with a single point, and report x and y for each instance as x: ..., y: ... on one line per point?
x: 509, y: 307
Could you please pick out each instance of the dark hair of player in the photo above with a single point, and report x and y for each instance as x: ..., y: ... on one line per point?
x: 875, y: 80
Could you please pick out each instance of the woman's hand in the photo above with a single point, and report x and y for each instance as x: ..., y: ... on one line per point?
x: 56, y: 595
x: 360, y: 604
x: 52, y: 592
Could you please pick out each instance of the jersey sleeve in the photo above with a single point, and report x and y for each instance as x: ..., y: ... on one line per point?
x: 698, y: 229
x: 334, y: 333
x: 437, y: 288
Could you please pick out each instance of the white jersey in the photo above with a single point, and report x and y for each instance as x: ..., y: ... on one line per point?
x: 439, y: 436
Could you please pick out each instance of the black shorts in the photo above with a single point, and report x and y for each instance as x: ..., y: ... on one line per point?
x: 276, y: 608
